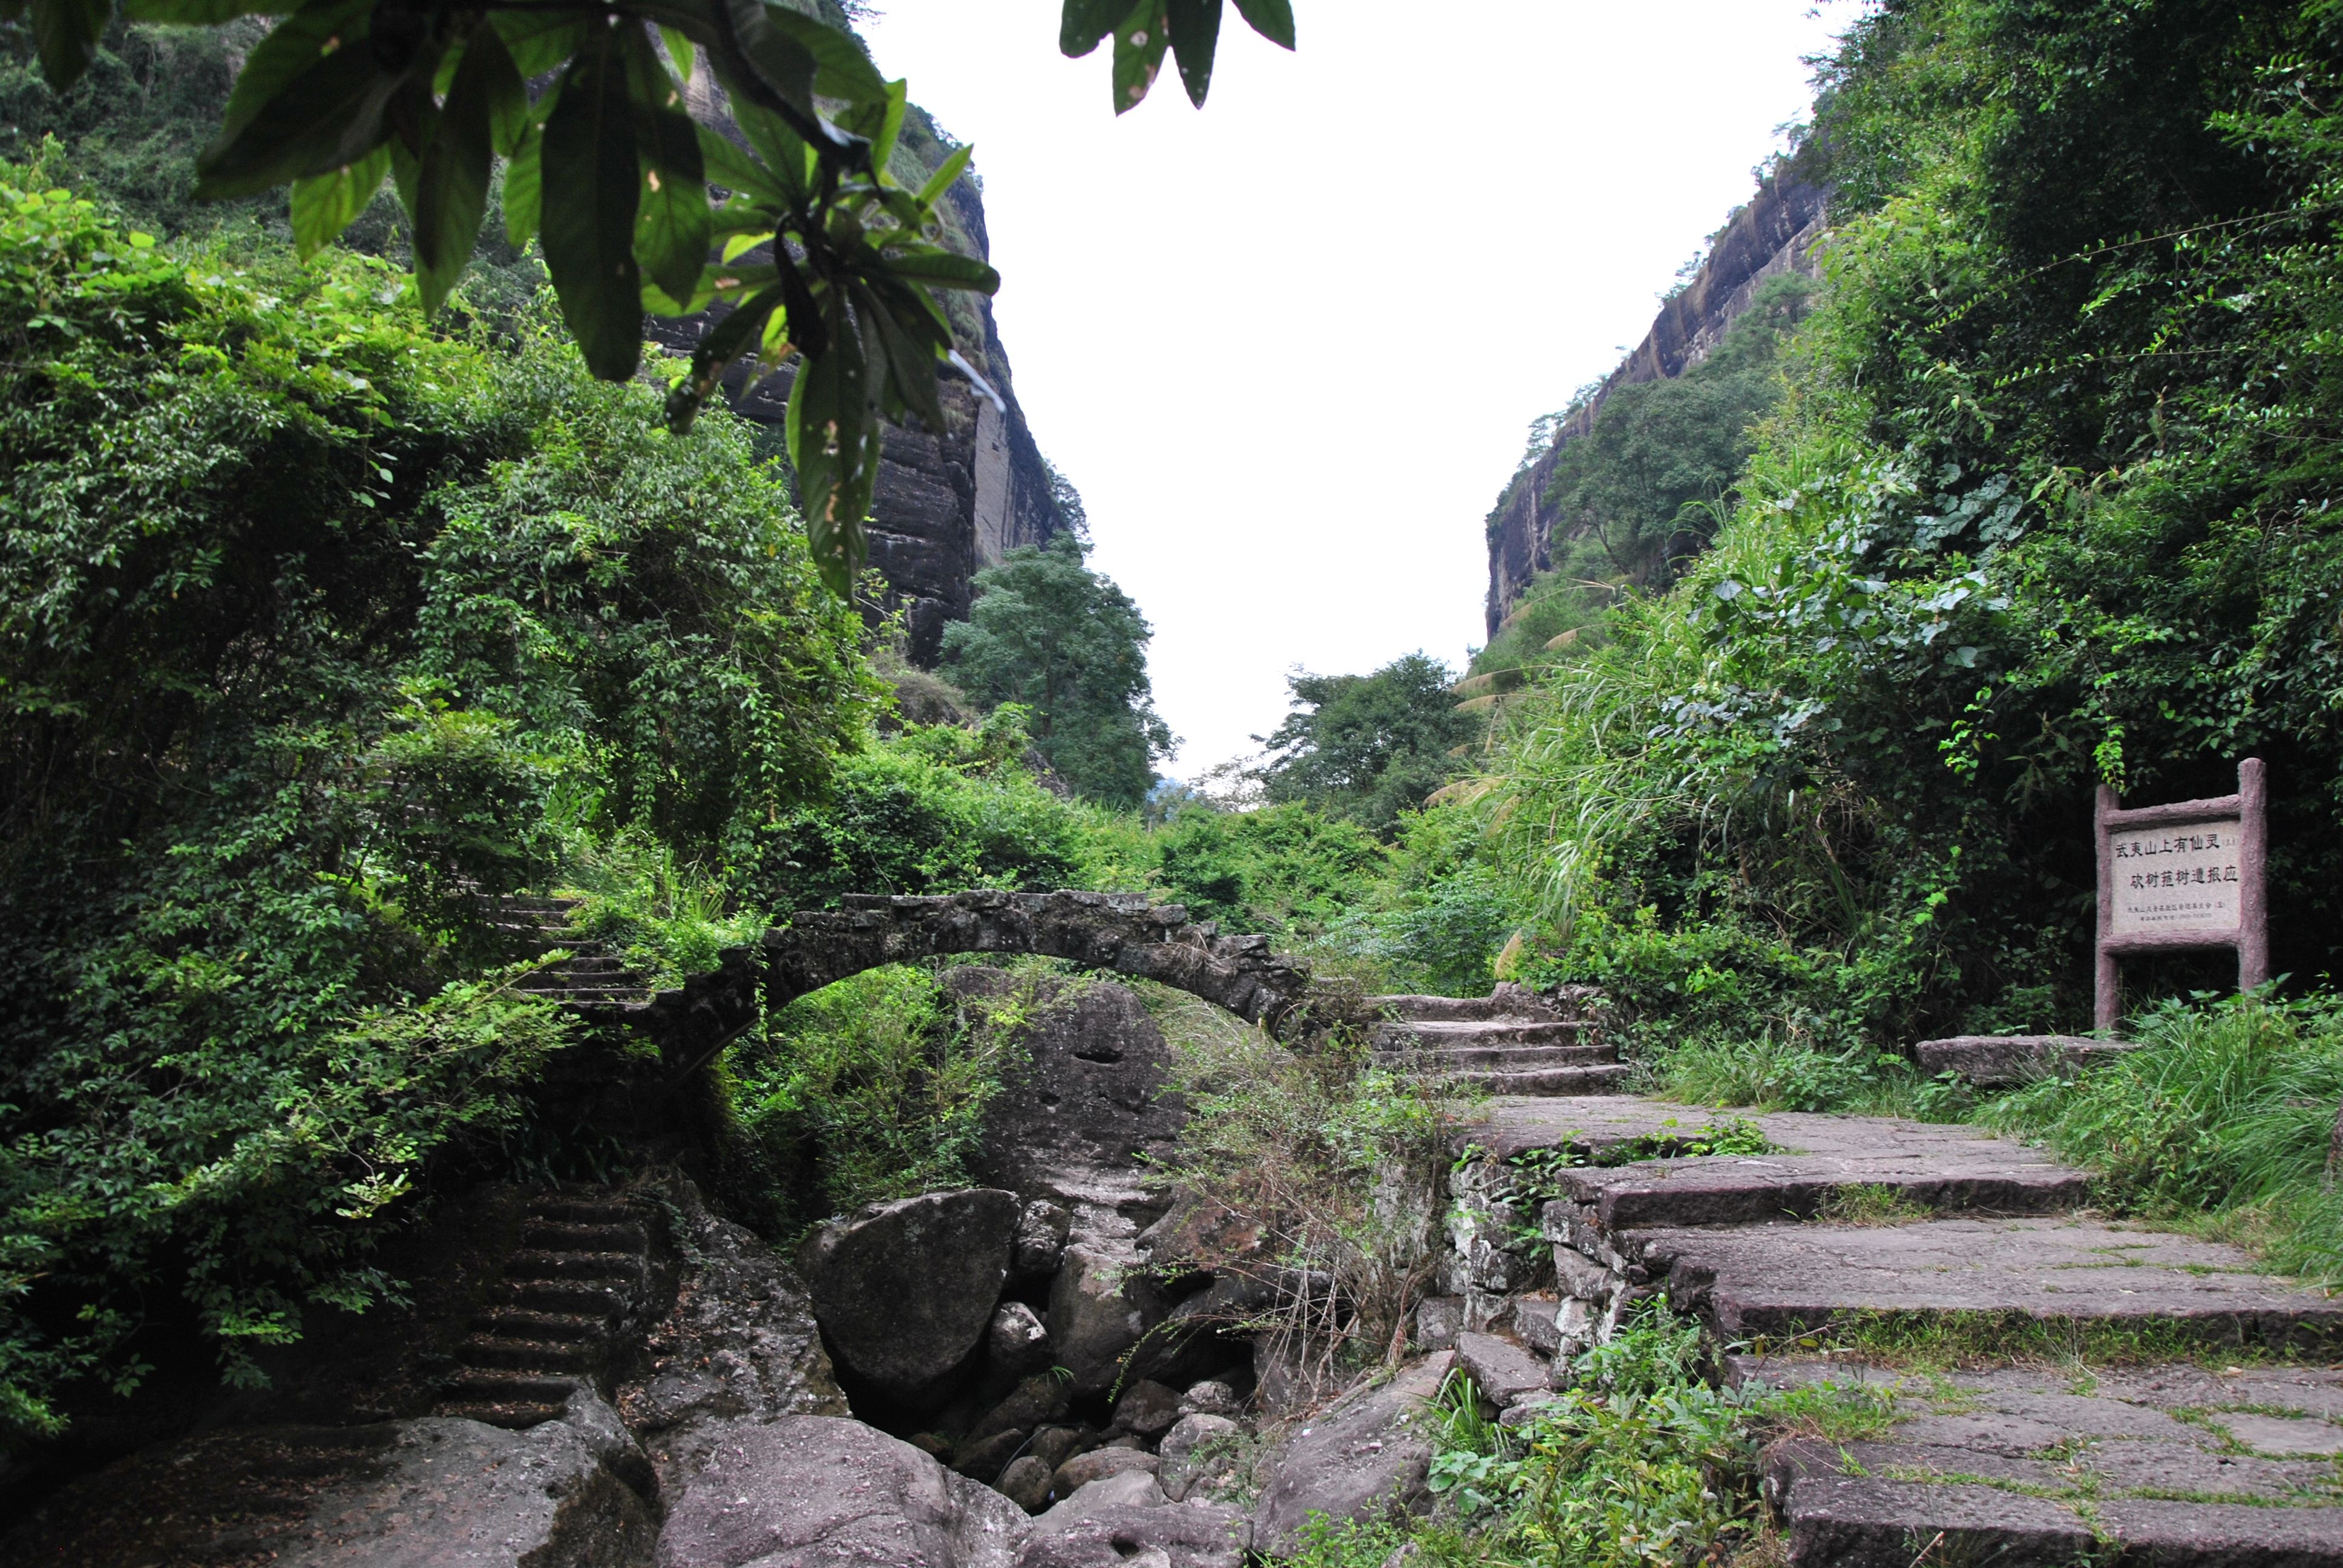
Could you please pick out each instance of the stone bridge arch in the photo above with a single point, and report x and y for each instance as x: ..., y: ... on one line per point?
x: 1118, y: 932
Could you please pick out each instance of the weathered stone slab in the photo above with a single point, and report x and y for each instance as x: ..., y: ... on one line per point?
x: 1364, y: 1455
x: 2016, y: 1464
x: 1778, y: 1280
x: 1927, y: 1167
x: 1121, y: 1536
x: 1100, y: 1306
x: 1504, y: 1372
x: 818, y: 1489
x: 1997, y: 1061
x: 413, y: 1493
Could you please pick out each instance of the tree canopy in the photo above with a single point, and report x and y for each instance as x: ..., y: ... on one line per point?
x: 1047, y: 632
x: 1368, y: 747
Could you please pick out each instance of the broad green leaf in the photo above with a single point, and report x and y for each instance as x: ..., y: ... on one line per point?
x: 945, y: 269
x: 292, y: 48
x: 451, y: 186
x: 681, y: 53
x: 878, y: 122
x: 829, y: 426
x: 781, y: 66
x: 1083, y: 23
x: 540, y: 40
x: 1273, y: 19
x: 672, y: 225
x: 739, y: 245
x: 844, y: 71
x: 947, y: 172
x: 324, y: 205
x: 1196, y: 27
x: 590, y: 182
x: 785, y: 153
x: 65, y: 35
x: 727, y: 166
x: 523, y: 184
x: 910, y: 361
x: 330, y: 116
x: 1139, y: 39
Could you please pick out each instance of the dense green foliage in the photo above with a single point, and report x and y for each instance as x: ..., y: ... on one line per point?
x: 1368, y: 747
x: 313, y: 626
x: 2049, y: 502
x: 1051, y: 634
x: 2226, y: 1110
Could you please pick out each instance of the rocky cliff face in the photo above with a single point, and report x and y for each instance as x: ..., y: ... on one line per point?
x: 1776, y: 233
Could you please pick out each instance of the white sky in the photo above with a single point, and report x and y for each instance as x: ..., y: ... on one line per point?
x: 1288, y: 347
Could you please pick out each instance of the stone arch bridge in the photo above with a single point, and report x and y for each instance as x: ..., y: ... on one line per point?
x: 1118, y: 932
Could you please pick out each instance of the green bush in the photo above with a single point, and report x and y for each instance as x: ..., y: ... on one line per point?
x: 315, y: 625
x: 2226, y: 1108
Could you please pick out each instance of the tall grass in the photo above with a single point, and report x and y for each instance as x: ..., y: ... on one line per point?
x: 2226, y: 1110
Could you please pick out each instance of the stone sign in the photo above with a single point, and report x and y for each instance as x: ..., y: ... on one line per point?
x: 2177, y: 878
x: 2184, y: 875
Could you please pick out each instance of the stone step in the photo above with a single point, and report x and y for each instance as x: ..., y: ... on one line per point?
x: 569, y: 1298
x: 1869, y: 1166
x: 2174, y: 1465
x: 565, y: 1209
x: 588, y: 996
x: 1989, y: 1277
x: 488, y: 1386
x: 1518, y: 1007
x: 1442, y: 1035
x: 549, y: 1357
x: 514, y: 1414
x: 526, y: 1324
x: 1499, y: 1058
x: 530, y: 1264
x: 1998, y: 1061
x: 1555, y: 1080
x: 571, y: 1236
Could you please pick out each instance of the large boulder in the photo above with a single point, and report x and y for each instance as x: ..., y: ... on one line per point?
x: 1101, y: 1303
x: 741, y: 1341
x: 905, y: 1290
x: 1119, y: 1534
x: 1368, y: 1455
x: 1077, y: 1123
x: 807, y: 1489
x: 425, y: 1492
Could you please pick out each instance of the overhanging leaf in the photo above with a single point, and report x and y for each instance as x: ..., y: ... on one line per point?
x: 1139, y: 39
x: 591, y: 181
x: 672, y: 225
x: 1195, y: 26
x: 524, y: 175
x: 451, y: 186
x: 65, y: 35
x: 324, y: 205
x: 1273, y: 19
x: 1083, y: 23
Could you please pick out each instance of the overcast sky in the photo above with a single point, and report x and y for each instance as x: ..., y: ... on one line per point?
x: 1288, y: 347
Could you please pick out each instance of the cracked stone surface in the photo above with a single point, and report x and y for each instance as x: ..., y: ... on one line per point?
x: 2165, y: 1464
x: 1790, y: 1278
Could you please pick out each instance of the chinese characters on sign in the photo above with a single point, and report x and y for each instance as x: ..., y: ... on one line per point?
x: 2179, y: 879
x: 2183, y: 875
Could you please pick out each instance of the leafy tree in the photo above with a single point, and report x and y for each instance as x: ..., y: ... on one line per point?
x: 819, y: 255
x: 1369, y: 747
x: 1047, y: 632
x: 2049, y: 504
x: 314, y: 623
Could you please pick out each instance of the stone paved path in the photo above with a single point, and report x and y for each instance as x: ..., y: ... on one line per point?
x: 1855, y: 1231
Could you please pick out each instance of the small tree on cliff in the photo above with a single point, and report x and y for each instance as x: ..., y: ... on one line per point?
x: 1048, y: 632
x: 1368, y: 747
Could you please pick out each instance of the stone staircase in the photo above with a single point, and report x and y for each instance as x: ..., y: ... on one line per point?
x: 582, y: 1280
x: 593, y: 978
x: 1511, y: 1041
x: 2067, y: 1387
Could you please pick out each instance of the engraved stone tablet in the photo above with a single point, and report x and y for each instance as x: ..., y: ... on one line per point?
x: 2177, y: 878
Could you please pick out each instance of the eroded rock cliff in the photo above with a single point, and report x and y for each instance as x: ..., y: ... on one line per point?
x: 1774, y: 233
